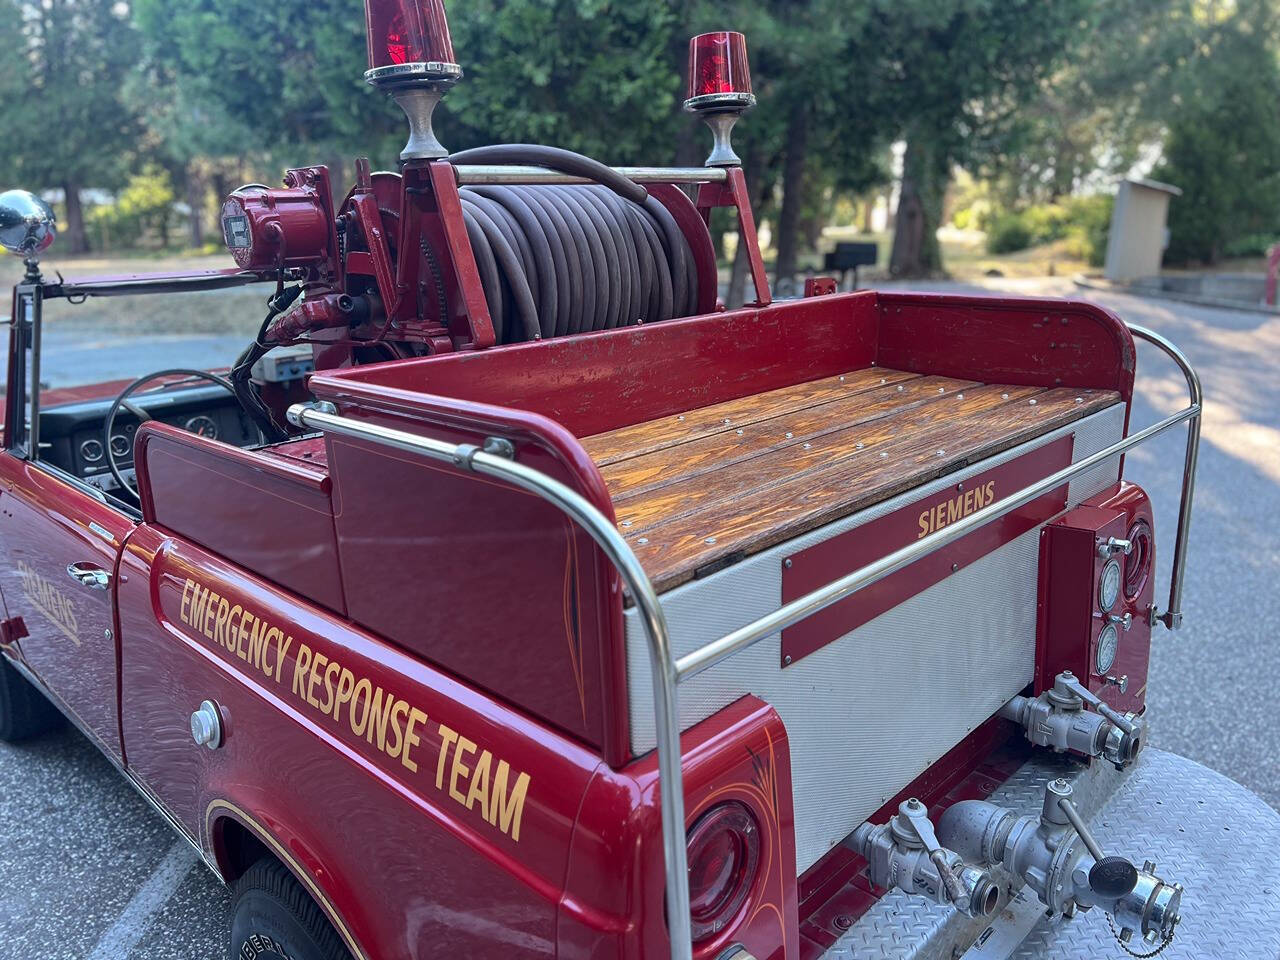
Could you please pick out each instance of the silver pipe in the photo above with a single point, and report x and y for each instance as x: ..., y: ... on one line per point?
x: 823, y: 597
x: 476, y: 174
x: 33, y: 334
x: 1172, y: 617
x: 605, y: 533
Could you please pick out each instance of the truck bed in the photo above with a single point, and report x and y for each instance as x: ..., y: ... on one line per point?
x: 698, y: 490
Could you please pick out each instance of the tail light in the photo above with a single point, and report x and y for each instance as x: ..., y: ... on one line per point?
x: 408, y: 40
x: 724, y: 857
x: 718, y: 71
x: 1137, y: 565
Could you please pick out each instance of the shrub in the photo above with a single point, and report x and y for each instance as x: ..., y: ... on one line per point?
x: 1253, y: 245
x: 1083, y: 222
x: 1008, y: 232
x: 142, y: 213
x: 1088, y: 227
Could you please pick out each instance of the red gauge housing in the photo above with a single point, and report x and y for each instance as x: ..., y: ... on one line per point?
x: 407, y: 40
x: 1071, y: 618
x: 718, y: 66
x: 285, y: 229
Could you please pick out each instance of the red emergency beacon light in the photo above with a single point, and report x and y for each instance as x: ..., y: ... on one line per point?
x: 719, y: 75
x: 411, y: 58
x: 719, y: 89
x: 409, y: 41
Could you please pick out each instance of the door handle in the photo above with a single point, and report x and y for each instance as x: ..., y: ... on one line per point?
x: 89, y: 575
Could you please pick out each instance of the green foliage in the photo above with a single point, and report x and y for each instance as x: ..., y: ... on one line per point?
x: 61, y: 76
x: 1083, y: 222
x: 1009, y: 232
x: 63, y: 67
x: 1223, y: 147
x: 1088, y: 226
x: 1253, y: 245
x: 240, y: 76
x: 957, y: 73
x: 142, y: 214
x: 586, y: 75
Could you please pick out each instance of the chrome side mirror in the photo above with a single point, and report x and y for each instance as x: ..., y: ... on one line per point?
x: 27, y: 223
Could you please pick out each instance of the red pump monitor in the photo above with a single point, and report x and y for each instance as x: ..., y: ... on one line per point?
x: 718, y: 65
x: 408, y: 32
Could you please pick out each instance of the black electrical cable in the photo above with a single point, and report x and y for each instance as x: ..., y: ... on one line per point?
x: 239, y: 377
x: 556, y: 260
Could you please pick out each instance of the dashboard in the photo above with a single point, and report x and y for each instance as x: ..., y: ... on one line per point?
x: 72, y: 435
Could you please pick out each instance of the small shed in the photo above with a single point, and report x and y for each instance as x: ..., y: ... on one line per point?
x: 1138, y: 236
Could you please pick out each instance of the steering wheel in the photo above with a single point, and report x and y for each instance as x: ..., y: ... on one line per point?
x: 123, y: 401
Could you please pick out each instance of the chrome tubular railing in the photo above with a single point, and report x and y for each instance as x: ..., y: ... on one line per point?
x: 474, y: 174
x: 666, y: 669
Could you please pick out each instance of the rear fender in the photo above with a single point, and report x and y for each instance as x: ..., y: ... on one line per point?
x: 615, y: 889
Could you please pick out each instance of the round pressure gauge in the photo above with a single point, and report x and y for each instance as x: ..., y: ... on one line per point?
x: 91, y: 451
x: 120, y: 445
x: 1109, y: 585
x: 1108, y: 641
x: 202, y: 425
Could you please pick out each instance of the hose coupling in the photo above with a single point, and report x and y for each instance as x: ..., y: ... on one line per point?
x: 1057, y: 719
x: 904, y: 854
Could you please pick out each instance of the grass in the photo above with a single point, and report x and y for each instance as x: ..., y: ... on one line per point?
x: 237, y: 310
x: 964, y: 255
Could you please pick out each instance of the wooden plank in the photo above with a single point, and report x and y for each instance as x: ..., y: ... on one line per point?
x: 634, y: 477
x: 724, y: 488
x: 673, y: 549
x: 642, y: 438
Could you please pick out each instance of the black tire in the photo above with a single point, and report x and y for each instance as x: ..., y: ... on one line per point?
x: 274, y: 918
x: 24, y: 712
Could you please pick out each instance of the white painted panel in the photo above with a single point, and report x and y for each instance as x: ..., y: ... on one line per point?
x: 869, y: 712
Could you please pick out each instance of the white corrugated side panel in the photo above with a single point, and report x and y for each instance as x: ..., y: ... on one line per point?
x: 869, y: 712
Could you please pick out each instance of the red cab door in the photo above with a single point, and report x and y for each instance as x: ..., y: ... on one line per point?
x: 59, y: 547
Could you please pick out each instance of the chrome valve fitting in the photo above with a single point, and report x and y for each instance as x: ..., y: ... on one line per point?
x: 904, y: 854
x: 1058, y: 719
x: 1058, y: 858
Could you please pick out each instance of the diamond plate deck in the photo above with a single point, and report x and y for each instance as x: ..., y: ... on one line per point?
x: 1204, y: 831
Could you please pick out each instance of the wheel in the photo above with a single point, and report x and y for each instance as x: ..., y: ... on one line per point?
x: 274, y: 918
x: 24, y: 712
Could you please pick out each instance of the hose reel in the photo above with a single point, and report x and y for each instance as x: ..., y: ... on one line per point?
x: 560, y: 260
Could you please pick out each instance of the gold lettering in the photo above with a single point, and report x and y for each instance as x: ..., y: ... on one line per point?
x: 379, y: 717
x: 210, y: 607
x: 505, y: 812
x: 233, y: 632
x: 398, y: 714
x: 357, y: 726
x: 330, y: 672
x: 186, y: 599
x: 968, y: 502
x: 300, y: 668
x: 459, y: 768
x: 447, y: 736
x: 479, y: 789
x: 282, y: 650
x: 265, y: 635
x: 346, y: 687
x: 953, y: 511
x: 318, y: 660
x: 242, y: 632
x: 411, y: 739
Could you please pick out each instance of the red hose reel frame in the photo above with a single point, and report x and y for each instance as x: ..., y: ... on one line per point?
x: 430, y: 209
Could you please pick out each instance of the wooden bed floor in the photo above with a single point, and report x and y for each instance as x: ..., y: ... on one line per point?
x: 698, y: 489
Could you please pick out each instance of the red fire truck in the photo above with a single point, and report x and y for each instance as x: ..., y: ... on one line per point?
x: 509, y: 597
